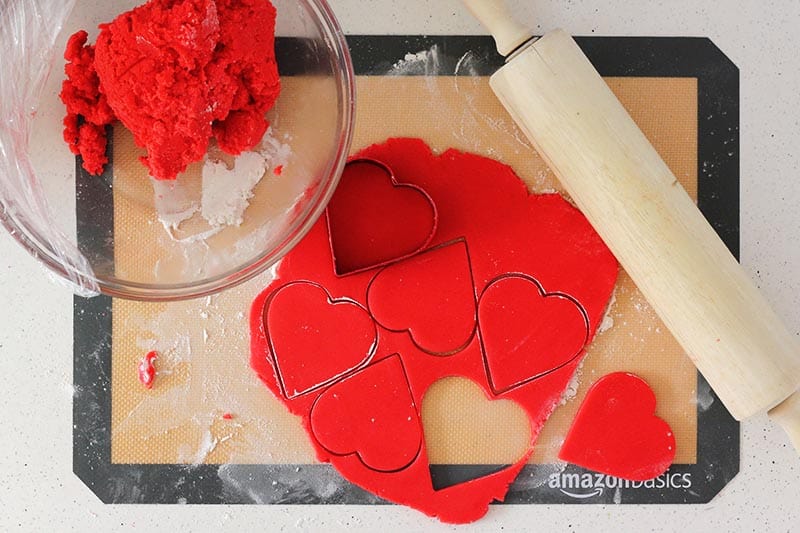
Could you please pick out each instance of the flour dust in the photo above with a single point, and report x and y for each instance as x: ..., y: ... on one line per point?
x: 206, y: 401
x: 207, y: 229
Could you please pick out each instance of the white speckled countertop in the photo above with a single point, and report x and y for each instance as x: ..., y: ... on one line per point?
x: 39, y: 492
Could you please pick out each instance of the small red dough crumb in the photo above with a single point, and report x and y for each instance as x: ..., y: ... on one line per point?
x: 176, y: 73
x: 227, y: 416
x: 147, y: 371
x: 278, y: 170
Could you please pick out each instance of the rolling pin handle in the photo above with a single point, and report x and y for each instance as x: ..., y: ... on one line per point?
x: 494, y: 15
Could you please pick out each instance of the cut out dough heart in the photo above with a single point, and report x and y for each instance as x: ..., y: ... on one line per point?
x: 374, y: 220
x: 616, y: 431
x: 414, y: 295
x: 315, y: 339
x: 371, y: 414
x: 527, y: 332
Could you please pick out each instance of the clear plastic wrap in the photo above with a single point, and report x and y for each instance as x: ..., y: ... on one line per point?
x: 28, y: 32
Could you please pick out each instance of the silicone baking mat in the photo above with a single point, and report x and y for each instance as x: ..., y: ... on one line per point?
x: 171, y: 444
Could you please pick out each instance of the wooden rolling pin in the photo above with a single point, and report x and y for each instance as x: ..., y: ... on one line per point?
x: 647, y: 219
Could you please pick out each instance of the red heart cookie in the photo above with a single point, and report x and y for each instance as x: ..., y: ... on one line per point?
x: 374, y: 220
x: 414, y: 295
x: 315, y: 339
x: 371, y: 414
x: 527, y: 332
x: 616, y: 431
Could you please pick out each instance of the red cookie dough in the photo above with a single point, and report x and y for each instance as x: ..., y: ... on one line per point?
x: 506, y: 294
x: 176, y: 73
x: 88, y: 111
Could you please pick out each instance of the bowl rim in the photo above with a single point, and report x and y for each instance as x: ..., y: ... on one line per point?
x: 83, y: 283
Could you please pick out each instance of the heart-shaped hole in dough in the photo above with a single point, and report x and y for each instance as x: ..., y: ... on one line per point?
x: 468, y: 435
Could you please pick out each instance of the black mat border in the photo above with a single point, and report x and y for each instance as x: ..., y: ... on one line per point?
x: 718, y: 198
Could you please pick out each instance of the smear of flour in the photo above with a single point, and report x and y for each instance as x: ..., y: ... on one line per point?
x: 532, y: 478
x: 172, y: 349
x: 608, y: 320
x: 422, y: 63
x: 461, y: 116
x: 276, y: 152
x: 200, y: 368
x: 468, y: 70
x: 467, y: 64
x: 225, y: 193
x: 174, y: 202
x: 196, y: 455
x: 572, y: 387
x: 214, y: 198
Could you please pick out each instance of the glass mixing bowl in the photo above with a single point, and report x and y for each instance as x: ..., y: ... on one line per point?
x: 117, y: 220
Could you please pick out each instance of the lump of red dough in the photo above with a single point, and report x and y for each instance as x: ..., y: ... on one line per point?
x: 178, y: 72
x: 88, y: 111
